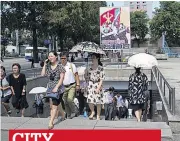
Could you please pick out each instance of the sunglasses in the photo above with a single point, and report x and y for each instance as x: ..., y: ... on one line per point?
x: 63, y: 58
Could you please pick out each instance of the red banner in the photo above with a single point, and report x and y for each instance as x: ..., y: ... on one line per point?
x: 84, y: 135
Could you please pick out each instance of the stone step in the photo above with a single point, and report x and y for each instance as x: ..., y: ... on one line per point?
x: 83, y: 123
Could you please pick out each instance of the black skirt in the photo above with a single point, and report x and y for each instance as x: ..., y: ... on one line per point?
x: 19, y: 102
x: 137, y: 107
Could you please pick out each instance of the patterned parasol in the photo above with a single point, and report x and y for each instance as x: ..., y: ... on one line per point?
x: 87, y: 47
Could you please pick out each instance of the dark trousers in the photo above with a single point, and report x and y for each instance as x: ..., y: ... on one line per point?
x: 122, y: 112
x: 109, y: 111
x: 82, y: 102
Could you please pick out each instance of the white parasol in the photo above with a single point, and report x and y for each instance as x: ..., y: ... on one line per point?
x: 142, y: 60
x: 38, y: 90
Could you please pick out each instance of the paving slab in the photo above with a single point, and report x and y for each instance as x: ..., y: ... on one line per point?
x: 33, y: 126
x: 78, y: 122
x: 132, y: 124
x: 60, y: 126
x: 14, y: 119
x: 166, y: 133
x: 38, y: 121
x: 7, y: 126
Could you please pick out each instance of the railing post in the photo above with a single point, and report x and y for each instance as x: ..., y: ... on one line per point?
x: 164, y: 88
x: 170, y: 98
x: 173, y: 101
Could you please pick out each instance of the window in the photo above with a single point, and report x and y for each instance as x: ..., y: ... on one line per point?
x: 29, y: 50
x: 132, y: 7
x: 138, y: 6
x: 144, y: 6
x: 137, y: 2
x: 144, y: 2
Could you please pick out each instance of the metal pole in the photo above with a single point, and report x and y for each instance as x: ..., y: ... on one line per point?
x: 173, y: 101
x: 164, y: 89
x: 170, y: 98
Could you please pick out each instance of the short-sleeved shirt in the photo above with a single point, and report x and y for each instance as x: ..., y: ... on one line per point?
x: 69, y: 77
x: 55, y: 74
x: 5, y: 83
x: 17, y: 83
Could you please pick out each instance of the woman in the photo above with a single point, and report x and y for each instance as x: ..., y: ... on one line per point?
x: 5, y: 91
x: 17, y: 81
x: 138, y: 84
x: 55, y: 73
x: 95, y: 75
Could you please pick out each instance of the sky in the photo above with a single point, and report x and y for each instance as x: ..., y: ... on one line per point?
x: 121, y: 3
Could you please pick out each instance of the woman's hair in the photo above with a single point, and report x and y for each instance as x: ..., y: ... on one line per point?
x: 98, y: 56
x: 53, y: 52
x: 138, y: 70
x: 18, y: 65
x: 3, y: 68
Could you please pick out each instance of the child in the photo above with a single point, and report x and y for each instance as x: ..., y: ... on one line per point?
x: 121, y: 106
x: 108, y: 103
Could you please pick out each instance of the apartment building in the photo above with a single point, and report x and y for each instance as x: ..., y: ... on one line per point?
x: 142, y: 6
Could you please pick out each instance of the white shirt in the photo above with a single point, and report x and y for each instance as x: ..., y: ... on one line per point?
x: 85, y: 55
x: 70, y: 73
x: 108, y: 97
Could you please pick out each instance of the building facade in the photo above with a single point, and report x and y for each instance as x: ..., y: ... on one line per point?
x: 146, y: 6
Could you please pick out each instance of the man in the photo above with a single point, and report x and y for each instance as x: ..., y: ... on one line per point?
x: 71, y: 83
x: 108, y: 103
x: 86, y: 57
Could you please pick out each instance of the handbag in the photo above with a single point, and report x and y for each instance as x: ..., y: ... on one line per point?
x: 50, y: 94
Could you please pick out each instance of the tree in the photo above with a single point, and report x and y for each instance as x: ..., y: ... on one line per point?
x: 76, y: 20
x: 25, y: 15
x: 139, y: 25
x: 167, y: 20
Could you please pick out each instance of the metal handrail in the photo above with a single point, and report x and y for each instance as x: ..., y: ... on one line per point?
x: 169, y: 96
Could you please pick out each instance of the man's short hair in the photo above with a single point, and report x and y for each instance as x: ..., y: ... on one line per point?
x: 64, y: 54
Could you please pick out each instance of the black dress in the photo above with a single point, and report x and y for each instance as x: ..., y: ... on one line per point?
x: 18, y: 100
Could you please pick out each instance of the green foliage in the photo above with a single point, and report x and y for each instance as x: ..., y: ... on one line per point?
x: 167, y: 19
x: 139, y: 24
x: 68, y: 20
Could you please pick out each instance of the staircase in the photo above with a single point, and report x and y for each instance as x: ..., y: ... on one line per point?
x: 165, y: 49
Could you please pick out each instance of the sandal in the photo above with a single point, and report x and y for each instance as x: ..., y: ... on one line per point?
x: 91, y: 117
x: 98, y: 118
x: 51, y: 127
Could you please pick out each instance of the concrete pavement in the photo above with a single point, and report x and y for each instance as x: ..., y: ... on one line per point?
x: 8, y: 63
x: 171, y: 71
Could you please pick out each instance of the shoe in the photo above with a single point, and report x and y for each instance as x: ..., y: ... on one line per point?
x: 91, y: 117
x: 50, y: 127
x: 72, y: 115
x: 18, y: 111
x: 9, y: 112
x: 69, y: 117
x: 98, y: 118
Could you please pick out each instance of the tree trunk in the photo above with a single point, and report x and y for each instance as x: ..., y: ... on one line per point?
x: 34, y: 28
x: 60, y: 40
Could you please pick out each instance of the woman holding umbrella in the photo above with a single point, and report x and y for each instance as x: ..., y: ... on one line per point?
x: 95, y: 76
x: 138, y: 81
x: 138, y: 84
